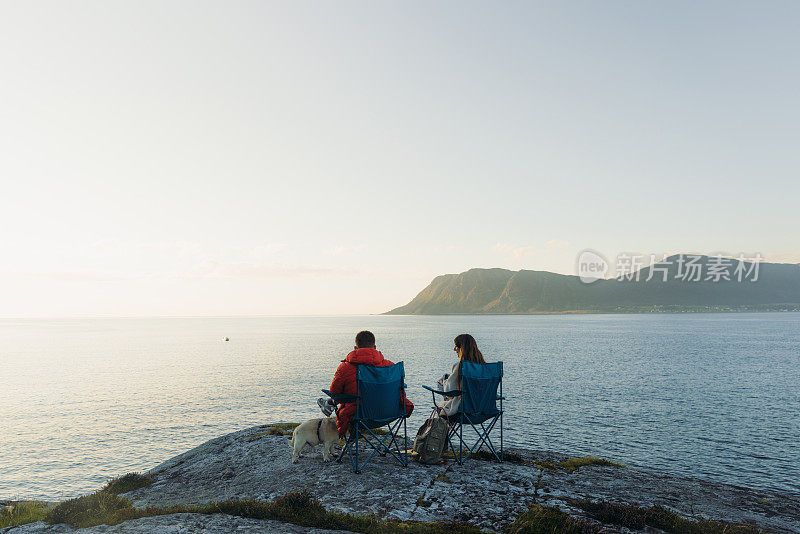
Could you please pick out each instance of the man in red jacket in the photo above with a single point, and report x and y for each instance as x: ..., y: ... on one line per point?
x: 344, y: 381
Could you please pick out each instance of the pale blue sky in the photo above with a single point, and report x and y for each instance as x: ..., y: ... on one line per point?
x: 222, y: 158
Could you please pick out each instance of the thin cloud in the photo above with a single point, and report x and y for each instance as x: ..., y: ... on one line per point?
x: 261, y: 271
x: 343, y: 250
x: 518, y: 252
x: 73, y: 276
x: 256, y: 271
x: 557, y: 243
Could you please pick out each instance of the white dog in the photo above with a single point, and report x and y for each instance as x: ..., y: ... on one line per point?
x: 313, y: 432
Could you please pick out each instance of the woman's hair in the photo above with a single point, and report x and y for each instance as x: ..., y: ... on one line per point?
x: 467, y: 352
x: 468, y: 349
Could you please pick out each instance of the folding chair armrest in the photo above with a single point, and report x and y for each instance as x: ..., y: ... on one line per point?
x: 453, y: 393
x: 341, y: 398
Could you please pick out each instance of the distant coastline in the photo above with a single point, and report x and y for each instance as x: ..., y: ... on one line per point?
x: 660, y: 288
x: 639, y: 311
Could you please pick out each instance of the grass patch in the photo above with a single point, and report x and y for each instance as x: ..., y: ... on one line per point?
x: 129, y: 482
x: 101, y: 507
x: 443, y: 478
x: 21, y: 513
x: 572, y: 464
x: 105, y: 507
x: 280, y: 429
x: 549, y: 520
x: 302, y: 508
x: 635, y: 517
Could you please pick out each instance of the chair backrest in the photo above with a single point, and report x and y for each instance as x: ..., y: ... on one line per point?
x: 381, y: 391
x: 479, y: 383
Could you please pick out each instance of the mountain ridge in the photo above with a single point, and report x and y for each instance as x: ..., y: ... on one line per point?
x: 655, y: 288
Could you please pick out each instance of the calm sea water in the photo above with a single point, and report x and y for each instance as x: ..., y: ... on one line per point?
x: 715, y: 396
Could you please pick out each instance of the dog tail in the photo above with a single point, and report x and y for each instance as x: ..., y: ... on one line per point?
x: 291, y: 440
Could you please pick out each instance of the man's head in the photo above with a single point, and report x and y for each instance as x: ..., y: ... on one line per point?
x: 365, y: 340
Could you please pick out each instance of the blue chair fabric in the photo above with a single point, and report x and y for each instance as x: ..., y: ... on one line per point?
x: 380, y: 402
x: 481, y: 390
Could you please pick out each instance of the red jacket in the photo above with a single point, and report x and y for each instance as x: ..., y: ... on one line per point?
x: 344, y: 381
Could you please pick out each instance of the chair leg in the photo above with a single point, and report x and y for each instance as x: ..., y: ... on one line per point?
x: 343, y: 451
x: 450, y: 433
x: 405, y: 444
x: 484, y: 438
x: 355, y: 466
x: 460, y: 443
x: 387, y: 445
x: 384, y: 450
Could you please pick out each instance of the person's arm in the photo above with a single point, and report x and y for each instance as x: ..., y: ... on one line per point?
x: 452, y: 381
x: 451, y: 384
x: 337, y: 386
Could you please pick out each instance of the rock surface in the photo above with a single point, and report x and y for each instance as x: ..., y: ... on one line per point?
x: 252, y: 464
x: 175, y: 524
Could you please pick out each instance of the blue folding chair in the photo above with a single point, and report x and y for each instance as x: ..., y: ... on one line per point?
x: 481, y: 388
x: 381, y: 401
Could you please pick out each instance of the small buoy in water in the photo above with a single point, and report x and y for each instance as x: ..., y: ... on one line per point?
x: 226, y: 339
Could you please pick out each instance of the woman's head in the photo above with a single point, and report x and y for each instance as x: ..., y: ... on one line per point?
x: 467, y: 349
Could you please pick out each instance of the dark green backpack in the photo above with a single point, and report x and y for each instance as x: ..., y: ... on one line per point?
x: 431, y: 441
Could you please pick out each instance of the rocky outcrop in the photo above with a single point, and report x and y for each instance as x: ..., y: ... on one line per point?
x: 253, y: 464
x: 177, y: 524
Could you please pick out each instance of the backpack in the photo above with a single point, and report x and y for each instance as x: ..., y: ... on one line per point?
x: 431, y: 441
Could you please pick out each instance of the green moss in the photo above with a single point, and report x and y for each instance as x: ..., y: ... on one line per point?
x: 635, y: 517
x: 572, y: 464
x: 443, y: 478
x: 549, y: 520
x: 21, y: 513
x: 280, y: 429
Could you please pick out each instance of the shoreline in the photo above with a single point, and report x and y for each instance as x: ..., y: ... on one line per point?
x: 253, y: 464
